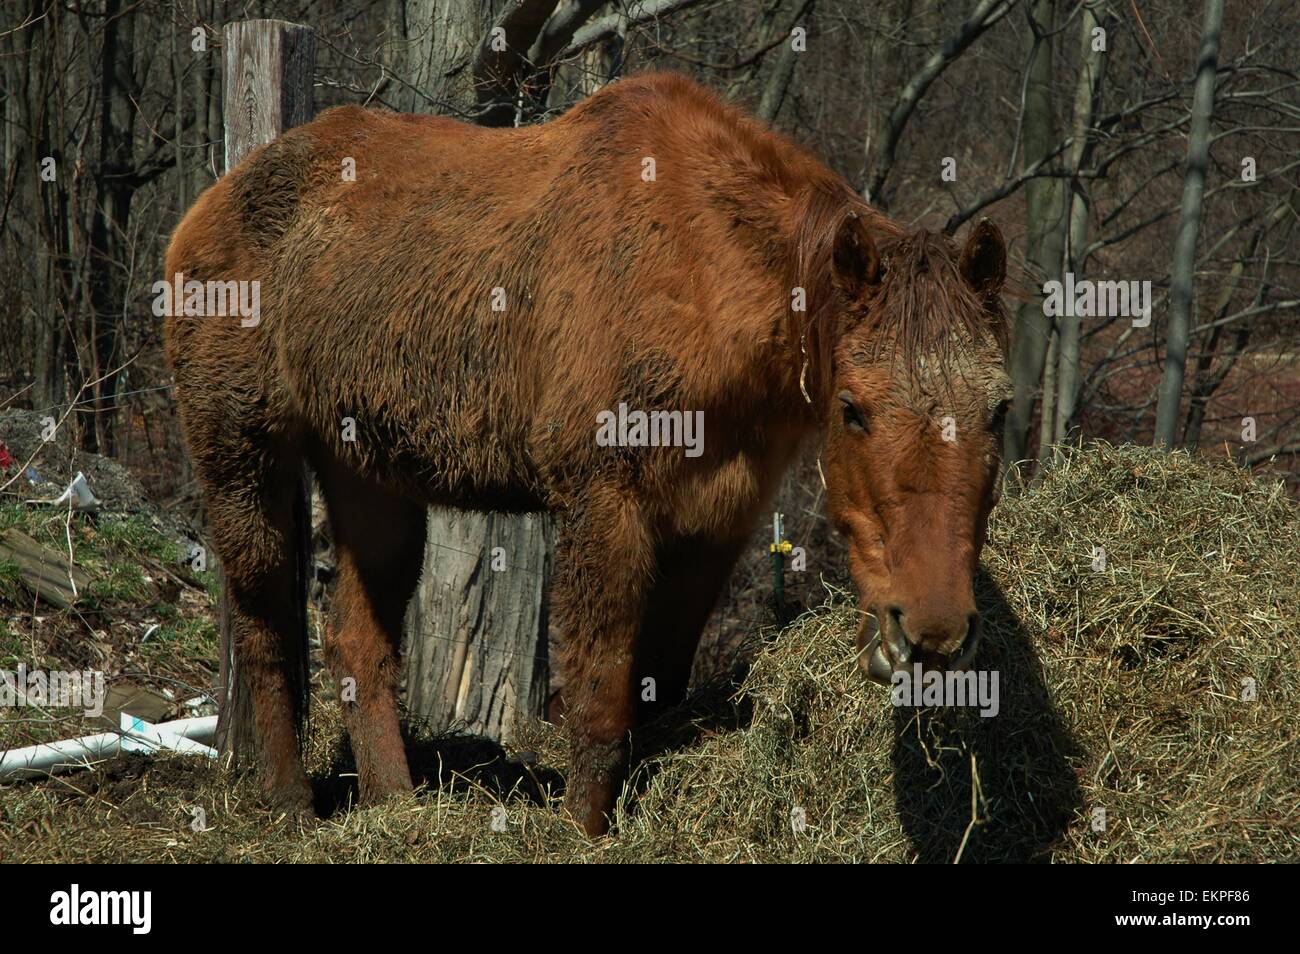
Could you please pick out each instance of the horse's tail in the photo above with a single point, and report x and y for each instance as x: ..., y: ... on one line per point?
x: 236, y: 708
x: 297, y: 646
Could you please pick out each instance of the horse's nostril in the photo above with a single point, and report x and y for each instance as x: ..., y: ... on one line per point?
x: 896, y: 616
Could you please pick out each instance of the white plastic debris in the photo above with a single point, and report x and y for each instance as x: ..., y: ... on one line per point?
x: 79, y: 495
x: 187, y: 736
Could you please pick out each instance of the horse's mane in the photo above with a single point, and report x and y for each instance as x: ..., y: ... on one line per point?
x: 787, y: 195
x: 924, y: 305
x: 823, y: 208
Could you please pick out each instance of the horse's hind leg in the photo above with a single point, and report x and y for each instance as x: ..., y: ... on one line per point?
x: 379, y: 538
x: 253, y: 496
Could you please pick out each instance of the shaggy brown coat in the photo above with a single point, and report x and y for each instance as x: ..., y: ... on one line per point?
x: 472, y: 301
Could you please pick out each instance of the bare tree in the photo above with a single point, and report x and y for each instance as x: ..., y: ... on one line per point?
x: 1189, y: 224
x: 1044, y: 234
x: 1092, y: 64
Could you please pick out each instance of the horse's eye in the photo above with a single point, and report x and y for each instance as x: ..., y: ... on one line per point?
x: 999, y: 419
x: 854, y: 418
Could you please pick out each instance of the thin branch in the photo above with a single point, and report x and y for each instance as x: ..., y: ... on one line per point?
x: 985, y: 15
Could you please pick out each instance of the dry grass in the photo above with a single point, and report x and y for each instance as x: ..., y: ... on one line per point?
x: 1121, y: 690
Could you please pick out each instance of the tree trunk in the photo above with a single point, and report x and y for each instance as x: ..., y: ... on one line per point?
x: 111, y: 223
x: 1189, y: 224
x: 1044, y: 240
x: 433, y: 46
x: 178, y: 91
x: 475, y: 637
x: 778, y: 83
x: 1092, y: 63
x: 480, y: 614
x: 1208, y: 378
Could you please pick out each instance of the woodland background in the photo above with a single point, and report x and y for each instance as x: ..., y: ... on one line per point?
x: 1080, y: 154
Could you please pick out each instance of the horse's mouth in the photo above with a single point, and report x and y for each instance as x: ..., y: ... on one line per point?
x: 878, y: 666
x: 873, y: 662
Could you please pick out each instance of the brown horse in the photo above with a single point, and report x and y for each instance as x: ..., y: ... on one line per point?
x: 449, y: 326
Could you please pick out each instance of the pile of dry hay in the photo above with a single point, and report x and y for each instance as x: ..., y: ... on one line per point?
x: 1127, y: 731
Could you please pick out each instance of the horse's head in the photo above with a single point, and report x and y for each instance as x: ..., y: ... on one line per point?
x: 917, y: 395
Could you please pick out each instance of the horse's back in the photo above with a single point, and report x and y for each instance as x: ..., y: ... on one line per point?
x: 472, y: 297
x: 389, y: 221
x: 291, y: 207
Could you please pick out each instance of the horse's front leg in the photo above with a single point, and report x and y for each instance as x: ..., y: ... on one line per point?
x: 602, y: 577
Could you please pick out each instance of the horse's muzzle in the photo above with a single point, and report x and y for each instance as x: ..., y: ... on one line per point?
x: 880, y: 655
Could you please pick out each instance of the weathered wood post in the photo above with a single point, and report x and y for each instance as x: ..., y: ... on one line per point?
x: 476, y: 653
x: 267, y: 88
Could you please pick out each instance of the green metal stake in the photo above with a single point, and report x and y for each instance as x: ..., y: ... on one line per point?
x: 780, y: 547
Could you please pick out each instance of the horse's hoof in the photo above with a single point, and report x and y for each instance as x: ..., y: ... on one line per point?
x: 295, y: 804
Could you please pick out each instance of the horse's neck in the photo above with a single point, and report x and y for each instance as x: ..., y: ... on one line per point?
x: 782, y: 389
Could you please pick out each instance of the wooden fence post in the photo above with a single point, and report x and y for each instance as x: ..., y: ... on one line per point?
x: 266, y: 89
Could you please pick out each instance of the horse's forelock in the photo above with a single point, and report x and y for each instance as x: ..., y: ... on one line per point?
x: 924, y: 307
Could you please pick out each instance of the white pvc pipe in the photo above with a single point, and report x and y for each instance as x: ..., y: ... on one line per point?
x: 141, y: 736
x: 197, y: 729
x: 188, y: 736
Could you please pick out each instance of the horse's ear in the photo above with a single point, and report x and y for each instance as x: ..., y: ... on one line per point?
x: 855, y: 260
x: 984, y: 259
